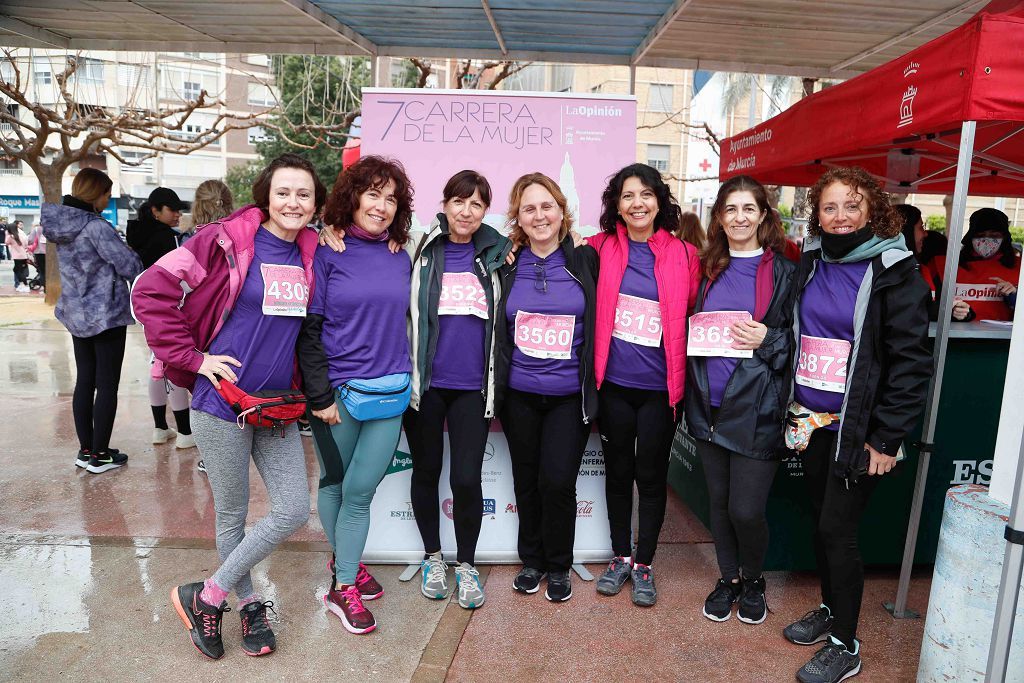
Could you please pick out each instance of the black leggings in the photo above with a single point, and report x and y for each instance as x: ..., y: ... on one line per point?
x: 98, y: 362
x: 546, y: 439
x: 637, y: 428
x: 838, y: 512
x: 20, y: 271
x: 467, y: 438
x: 738, y: 489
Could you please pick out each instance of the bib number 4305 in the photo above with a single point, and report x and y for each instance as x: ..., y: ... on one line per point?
x: 284, y: 290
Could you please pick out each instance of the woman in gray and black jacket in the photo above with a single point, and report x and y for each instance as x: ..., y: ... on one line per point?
x: 455, y: 287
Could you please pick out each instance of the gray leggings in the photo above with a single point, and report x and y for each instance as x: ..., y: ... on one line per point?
x: 226, y: 450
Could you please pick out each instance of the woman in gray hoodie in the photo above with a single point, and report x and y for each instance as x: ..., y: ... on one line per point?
x: 95, y: 269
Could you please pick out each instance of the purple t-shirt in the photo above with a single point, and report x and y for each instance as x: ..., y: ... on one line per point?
x: 632, y: 364
x: 826, y: 312
x: 363, y: 295
x: 264, y: 344
x: 545, y: 321
x: 459, y: 356
x: 732, y: 290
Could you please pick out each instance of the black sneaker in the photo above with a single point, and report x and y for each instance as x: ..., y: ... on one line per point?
x: 831, y: 664
x: 83, y: 458
x: 614, y: 577
x: 304, y: 428
x: 559, y: 587
x: 257, y: 636
x: 718, y: 604
x: 753, y: 608
x: 644, y: 592
x: 528, y: 580
x: 811, y: 628
x: 107, y: 460
x: 201, y: 620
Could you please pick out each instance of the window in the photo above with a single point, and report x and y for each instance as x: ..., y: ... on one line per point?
x: 257, y: 134
x: 190, y: 90
x: 659, y: 98
x: 658, y: 157
x: 186, y: 84
x: 257, y: 60
x: 132, y: 156
x: 134, y: 76
x: 89, y: 70
x: 261, y: 95
x: 9, y: 166
x: 42, y: 71
x: 6, y: 124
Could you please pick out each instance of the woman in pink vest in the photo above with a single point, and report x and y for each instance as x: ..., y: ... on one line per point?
x: 647, y: 285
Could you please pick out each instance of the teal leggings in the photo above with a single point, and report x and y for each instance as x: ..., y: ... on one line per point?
x: 353, y: 458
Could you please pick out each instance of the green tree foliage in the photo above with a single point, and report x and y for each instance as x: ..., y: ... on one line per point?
x: 240, y: 179
x: 935, y: 222
x: 319, y: 97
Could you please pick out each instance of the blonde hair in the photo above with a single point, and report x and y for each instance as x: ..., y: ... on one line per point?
x: 515, y: 198
x: 89, y: 185
x: 212, y: 202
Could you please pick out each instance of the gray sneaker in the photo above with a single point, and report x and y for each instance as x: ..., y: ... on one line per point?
x: 435, y: 577
x: 831, y: 664
x: 614, y: 577
x: 644, y: 592
x: 811, y: 628
x: 471, y: 591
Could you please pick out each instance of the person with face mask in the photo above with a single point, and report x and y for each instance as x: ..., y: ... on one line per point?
x: 988, y: 272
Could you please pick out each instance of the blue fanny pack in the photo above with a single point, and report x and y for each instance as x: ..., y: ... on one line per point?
x: 378, y: 398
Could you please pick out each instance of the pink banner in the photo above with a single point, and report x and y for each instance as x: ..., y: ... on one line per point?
x: 578, y: 140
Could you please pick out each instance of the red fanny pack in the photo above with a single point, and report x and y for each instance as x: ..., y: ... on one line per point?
x: 273, y: 409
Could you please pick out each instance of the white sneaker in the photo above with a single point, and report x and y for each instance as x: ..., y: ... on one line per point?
x: 185, y: 441
x: 22, y: 288
x: 163, y: 435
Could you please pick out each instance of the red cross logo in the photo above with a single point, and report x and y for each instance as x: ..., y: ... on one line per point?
x: 704, y: 165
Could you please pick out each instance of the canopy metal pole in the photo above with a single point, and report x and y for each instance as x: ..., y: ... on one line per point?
x: 632, y: 79
x: 931, y: 413
x: 1009, y: 584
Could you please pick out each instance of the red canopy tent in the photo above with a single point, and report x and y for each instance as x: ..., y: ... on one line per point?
x: 946, y: 117
x: 902, y: 121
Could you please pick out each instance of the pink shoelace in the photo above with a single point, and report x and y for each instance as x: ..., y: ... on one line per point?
x: 353, y: 599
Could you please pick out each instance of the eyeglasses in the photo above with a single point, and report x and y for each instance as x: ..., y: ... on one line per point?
x: 540, y: 280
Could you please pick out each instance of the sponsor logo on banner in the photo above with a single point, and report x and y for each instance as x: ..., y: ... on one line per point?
x: 584, y: 508
x: 405, y: 514
x: 448, y: 507
x: 489, y: 452
x: 490, y: 506
x: 907, y: 101
x: 400, y: 461
x: 593, y: 463
x: 511, y: 507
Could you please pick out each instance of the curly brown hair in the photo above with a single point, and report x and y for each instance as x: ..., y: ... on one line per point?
x: 515, y: 198
x: 371, y: 172
x: 884, y: 220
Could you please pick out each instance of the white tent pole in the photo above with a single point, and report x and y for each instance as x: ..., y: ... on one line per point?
x: 1009, y: 584
x: 954, y: 232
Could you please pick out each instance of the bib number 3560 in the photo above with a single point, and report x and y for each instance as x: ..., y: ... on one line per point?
x: 545, y: 336
x: 284, y: 290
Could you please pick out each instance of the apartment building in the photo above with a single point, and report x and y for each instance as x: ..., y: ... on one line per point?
x: 114, y: 80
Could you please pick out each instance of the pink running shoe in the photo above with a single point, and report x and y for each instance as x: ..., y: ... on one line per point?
x: 369, y: 587
x: 348, y: 605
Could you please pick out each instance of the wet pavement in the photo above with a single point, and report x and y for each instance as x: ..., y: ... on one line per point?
x: 87, y: 563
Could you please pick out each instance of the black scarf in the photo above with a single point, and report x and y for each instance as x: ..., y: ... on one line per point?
x: 837, y: 246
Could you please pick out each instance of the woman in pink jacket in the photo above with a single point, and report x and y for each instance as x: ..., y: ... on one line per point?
x: 647, y: 286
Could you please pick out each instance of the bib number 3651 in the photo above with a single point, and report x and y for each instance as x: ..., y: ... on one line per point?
x: 710, y: 334
x: 545, y: 336
x: 284, y: 290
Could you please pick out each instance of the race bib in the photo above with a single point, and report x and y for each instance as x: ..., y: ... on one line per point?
x: 710, y: 334
x: 545, y: 336
x: 637, y: 321
x: 977, y: 292
x: 284, y: 290
x: 823, y: 363
x: 461, y: 294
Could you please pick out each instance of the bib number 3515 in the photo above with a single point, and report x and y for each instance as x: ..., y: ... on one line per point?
x: 284, y: 290
x: 545, y: 336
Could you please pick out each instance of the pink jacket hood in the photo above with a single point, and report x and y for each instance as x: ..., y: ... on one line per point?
x: 677, y: 273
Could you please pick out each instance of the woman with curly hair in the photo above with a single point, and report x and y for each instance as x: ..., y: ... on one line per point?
x: 861, y: 376
x: 354, y: 346
x: 646, y: 288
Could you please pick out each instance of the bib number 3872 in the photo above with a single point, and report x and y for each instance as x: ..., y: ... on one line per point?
x: 545, y: 336
x: 284, y: 290
x: 823, y: 363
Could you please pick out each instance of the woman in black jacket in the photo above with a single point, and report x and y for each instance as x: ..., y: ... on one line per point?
x: 861, y: 375
x: 544, y: 377
x: 738, y: 352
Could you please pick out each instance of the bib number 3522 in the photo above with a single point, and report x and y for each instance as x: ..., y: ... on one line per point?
x: 823, y: 363
x: 545, y: 336
x: 284, y: 290
x: 461, y: 294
